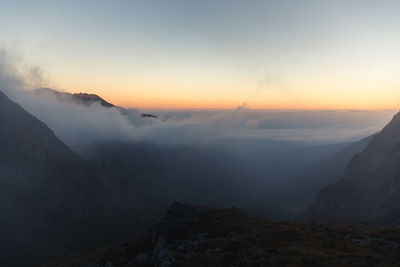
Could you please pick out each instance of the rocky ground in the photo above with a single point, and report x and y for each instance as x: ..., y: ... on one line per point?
x: 201, y: 236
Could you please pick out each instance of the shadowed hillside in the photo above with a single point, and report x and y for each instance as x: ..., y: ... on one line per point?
x: 370, y: 192
x: 51, y: 201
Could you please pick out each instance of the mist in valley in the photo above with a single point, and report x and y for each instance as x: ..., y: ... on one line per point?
x: 268, y: 162
x: 199, y: 133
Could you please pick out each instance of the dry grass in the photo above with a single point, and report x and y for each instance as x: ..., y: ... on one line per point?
x: 235, y: 239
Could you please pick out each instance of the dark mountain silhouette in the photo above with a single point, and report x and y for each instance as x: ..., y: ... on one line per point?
x: 51, y: 201
x: 79, y: 98
x: 86, y: 99
x: 201, y: 236
x: 370, y: 192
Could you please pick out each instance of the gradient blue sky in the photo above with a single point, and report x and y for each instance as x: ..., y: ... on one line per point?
x: 210, y: 54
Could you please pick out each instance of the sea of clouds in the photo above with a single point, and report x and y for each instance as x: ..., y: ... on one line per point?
x: 81, y: 125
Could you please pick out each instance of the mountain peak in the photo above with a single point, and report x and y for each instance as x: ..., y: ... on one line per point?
x: 79, y: 98
x: 91, y: 98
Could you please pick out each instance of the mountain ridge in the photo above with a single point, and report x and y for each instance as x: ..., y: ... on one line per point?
x: 79, y: 98
x: 370, y: 191
x: 86, y: 100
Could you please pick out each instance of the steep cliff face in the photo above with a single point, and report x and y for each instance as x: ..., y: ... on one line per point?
x: 371, y: 190
x: 381, y: 156
x: 51, y: 201
x: 28, y: 148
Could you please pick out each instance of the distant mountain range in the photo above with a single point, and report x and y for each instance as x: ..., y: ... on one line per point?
x: 51, y: 201
x: 370, y: 191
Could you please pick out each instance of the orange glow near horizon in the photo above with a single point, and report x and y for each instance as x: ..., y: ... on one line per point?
x: 355, y: 87
x: 203, y: 55
x: 329, y: 101
x: 303, y: 86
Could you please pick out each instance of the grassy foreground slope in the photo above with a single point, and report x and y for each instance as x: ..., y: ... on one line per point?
x: 201, y: 236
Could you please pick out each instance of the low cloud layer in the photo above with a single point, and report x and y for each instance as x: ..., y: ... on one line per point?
x: 80, y: 125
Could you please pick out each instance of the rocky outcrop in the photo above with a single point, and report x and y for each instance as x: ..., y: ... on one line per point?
x: 200, y: 236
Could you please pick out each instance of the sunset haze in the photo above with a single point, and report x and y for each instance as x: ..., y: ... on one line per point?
x: 213, y: 54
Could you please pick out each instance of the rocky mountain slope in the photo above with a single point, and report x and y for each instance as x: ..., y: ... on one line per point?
x: 51, y: 201
x: 201, y: 236
x: 371, y: 190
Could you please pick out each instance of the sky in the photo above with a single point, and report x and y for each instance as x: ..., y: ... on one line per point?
x: 213, y: 54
